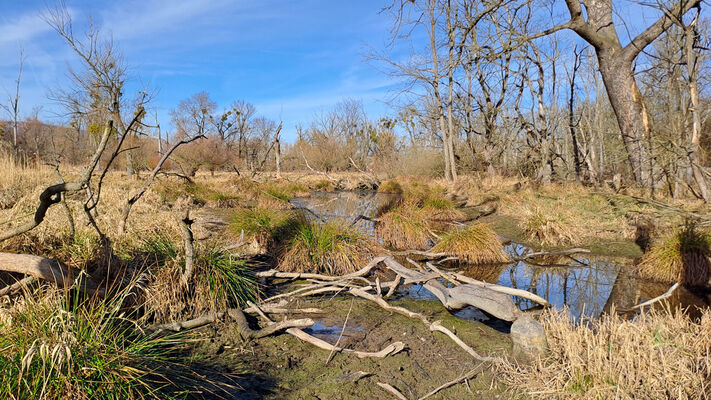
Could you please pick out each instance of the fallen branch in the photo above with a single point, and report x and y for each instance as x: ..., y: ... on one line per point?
x: 40, y: 267
x: 656, y: 299
x: 391, y: 349
x: 566, y: 252
x: 272, y: 273
x: 433, y: 326
x: 238, y: 317
x: 9, y: 289
x: 503, y: 289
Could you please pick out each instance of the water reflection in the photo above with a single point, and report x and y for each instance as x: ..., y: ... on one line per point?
x: 345, y: 206
x: 588, y: 286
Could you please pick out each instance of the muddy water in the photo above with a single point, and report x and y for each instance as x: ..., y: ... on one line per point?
x: 586, y: 286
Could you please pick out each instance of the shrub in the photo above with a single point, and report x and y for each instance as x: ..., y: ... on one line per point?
x: 477, y: 244
x: 682, y: 257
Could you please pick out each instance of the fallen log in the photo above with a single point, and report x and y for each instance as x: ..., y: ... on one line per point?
x: 502, y: 289
x: 495, y: 303
x: 40, y: 267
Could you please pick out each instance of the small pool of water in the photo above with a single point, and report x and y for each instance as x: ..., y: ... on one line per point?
x: 331, y: 333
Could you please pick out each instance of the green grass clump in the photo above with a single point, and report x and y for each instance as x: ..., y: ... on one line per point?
x: 682, y: 257
x: 477, y: 244
x: 265, y: 225
x: 226, y: 280
x: 390, y: 186
x: 332, y: 248
x: 220, y: 280
x: 87, y: 351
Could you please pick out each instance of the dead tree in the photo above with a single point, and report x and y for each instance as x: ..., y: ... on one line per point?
x: 13, y: 108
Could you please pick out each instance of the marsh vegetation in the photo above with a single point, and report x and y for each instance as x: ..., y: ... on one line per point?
x: 496, y: 236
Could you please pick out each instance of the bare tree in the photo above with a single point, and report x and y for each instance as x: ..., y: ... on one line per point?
x: 616, y: 64
x: 13, y: 107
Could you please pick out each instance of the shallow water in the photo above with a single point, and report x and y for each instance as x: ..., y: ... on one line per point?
x: 587, y: 286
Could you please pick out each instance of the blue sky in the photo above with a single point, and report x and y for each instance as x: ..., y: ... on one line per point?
x: 292, y: 59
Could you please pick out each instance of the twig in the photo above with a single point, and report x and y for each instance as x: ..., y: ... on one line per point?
x: 390, y: 389
x: 463, y: 378
x: 343, y: 329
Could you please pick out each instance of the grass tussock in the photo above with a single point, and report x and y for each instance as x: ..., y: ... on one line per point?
x: 332, y: 248
x: 404, y: 227
x: 547, y: 229
x: 283, y: 190
x: 51, y: 350
x: 264, y: 225
x: 220, y: 280
x: 407, y: 221
x: 324, y: 185
x: 682, y: 257
x: 390, y: 186
x: 477, y: 244
x: 657, y: 355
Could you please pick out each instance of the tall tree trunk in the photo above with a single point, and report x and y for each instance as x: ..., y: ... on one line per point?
x: 630, y: 111
x: 692, y: 58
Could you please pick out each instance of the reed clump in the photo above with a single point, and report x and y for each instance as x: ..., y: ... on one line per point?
x: 682, y: 257
x: 657, y: 355
x: 404, y: 227
x: 332, y: 248
x: 477, y: 244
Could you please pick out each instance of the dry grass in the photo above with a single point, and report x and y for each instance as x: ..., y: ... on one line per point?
x: 332, y: 248
x: 546, y: 228
x: 682, y: 257
x: 659, y: 355
x: 390, y: 186
x: 558, y: 214
x: 477, y: 244
x: 404, y: 227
